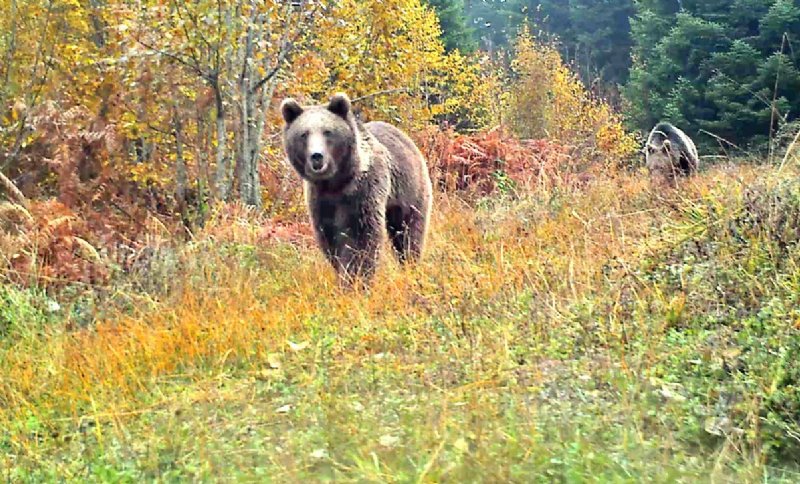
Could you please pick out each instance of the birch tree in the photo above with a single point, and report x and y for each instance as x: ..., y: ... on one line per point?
x: 237, y: 49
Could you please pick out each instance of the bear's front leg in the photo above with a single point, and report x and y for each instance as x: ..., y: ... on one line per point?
x: 357, y: 253
x: 350, y: 235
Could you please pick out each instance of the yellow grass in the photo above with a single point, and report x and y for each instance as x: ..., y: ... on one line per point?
x: 232, y: 317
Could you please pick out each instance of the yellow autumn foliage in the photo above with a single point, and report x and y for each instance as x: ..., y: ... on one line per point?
x: 469, y: 91
x: 547, y: 100
x: 139, y: 68
x: 388, y: 54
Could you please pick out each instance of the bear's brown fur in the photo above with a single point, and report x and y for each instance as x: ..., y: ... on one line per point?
x: 670, y: 153
x: 361, y: 181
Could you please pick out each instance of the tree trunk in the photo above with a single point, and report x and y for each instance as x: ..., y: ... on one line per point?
x: 224, y: 173
x: 98, y: 35
x: 223, y: 179
x: 255, y: 99
x: 180, y: 163
x: 259, y: 113
x: 202, y: 158
x: 11, y: 43
x: 248, y: 146
x: 251, y: 189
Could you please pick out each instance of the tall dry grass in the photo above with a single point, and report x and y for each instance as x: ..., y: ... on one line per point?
x: 512, y: 296
x: 221, y: 311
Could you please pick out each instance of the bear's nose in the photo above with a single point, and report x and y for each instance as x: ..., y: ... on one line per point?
x: 316, y: 161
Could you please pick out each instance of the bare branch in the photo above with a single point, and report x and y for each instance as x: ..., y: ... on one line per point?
x: 37, y: 89
x: 720, y: 139
x: 217, y: 51
x: 196, y: 23
x: 789, y: 150
x: 23, y: 130
x: 380, y: 93
x: 12, y: 190
x: 205, y: 41
x: 287, y: 46
x: 194, y: 67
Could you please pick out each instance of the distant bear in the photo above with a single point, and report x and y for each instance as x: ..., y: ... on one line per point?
x: 361, y: 181
x: 670, y: 152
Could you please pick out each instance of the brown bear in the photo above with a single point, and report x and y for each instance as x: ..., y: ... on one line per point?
x: 670, y: 153
x: 361, y: 181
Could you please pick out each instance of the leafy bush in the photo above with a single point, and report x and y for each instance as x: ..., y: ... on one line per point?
x: 772, y: 213
x: 21, y: 309
x: 547, y: 100
x: 491, y: 161
x: 733, y: 338
x: 51, y: 248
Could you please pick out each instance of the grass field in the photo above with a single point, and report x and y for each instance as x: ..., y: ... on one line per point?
x: 606, y: 333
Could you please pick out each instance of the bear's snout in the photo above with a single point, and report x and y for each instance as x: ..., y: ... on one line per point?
x: 317, y: 162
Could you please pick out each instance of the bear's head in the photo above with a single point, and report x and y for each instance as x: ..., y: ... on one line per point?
x: 659, y: 155
x: 321, y: 142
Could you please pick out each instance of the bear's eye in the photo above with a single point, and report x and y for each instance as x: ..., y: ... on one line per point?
x: 327, y: 133
x: 304, y: 134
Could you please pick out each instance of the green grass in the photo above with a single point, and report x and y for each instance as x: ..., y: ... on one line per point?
x: 609, y: 334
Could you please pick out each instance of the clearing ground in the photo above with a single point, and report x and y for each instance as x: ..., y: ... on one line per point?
x: 602, y: 333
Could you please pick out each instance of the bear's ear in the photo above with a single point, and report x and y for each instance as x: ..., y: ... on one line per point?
x: 340, y: 105
x: 290, y: 110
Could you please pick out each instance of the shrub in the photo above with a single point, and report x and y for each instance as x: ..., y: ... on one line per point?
x: 734, y: 262
x: 547, y: 100
x: 492, y: 161
x: 51, y: 248
x: 21, y: 309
